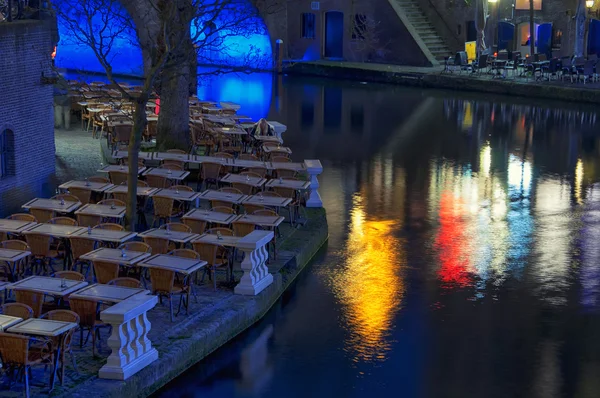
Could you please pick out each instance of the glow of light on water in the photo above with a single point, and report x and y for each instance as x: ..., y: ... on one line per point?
x: 519, y: 175
x: 485, y: 159
x: 579, y: 181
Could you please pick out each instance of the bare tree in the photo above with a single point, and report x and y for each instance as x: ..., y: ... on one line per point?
x: 99, y: 24
x: 580, y: 20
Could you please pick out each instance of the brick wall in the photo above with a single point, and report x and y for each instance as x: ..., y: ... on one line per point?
x: 26, y: 108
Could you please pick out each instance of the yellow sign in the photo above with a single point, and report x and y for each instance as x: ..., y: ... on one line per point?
x: 470, y: 49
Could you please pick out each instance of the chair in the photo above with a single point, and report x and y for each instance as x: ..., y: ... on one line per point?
x: 99, y: 179
x: 209, y: 174
x: 187, y: 253
x: 480, y: 64
x: 214, y: 255
x: 181, y: 188
x: 136, y: 247
x: 223, y: 209
x: 120, y: 135
x: 105, y: 272
x: 158, y: 245
x: 17, y: 358
x: 164, y: 285
x: 461, y: 62
x: 163, y: 209
x: 110, y: 227
x: 285, y: 173
x: 251, y: 209
x: 118, y: 177
x: 242, y: 229
x: 172, y: 165
x: 260, y: 171
x: 84, y: 195
x: 223, y: 155
x: 126, y: 282
x: 88, y: 319
x: 294, y: 206
x: 155, y: 181
x: 551, y: 69
x: 79, y: 247
x: 19, y: 310
x: 64, y: 316
x: 22, y: 217
x: 14, y: 245
x: 268, y: 212
x: 63, y: 221
x: 88, y: 220
x: 222, y: 230
x: 42, y: 215
x: 71, y: 275
x: 66, y: 197
x: 111, y: 202
x: 197, y: 226
x: 247, y: 156
x: 140, y: 162
x: 34, y: 300
x: 40, y: 250
x: 176, y: 226
x: 280, y: 159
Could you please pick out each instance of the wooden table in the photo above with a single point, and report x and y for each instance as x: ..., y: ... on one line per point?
x: 52, y: 204
x: 141, y: 191
x: 214, y: 240
x: 263, y: 221
x: 256, y: 182
x: 107, y: 235
x: 114, y: 256
x: 285, y: 183
x: 107, y: 293
x: 167, y: 173
x: 48, y: 285
x: 55, y: 230
x: 7, y: 321
x: 92, y: 186
x: 15, y: 226
x: 222, y: 196
x: 173, y: 236
x: 121, y: 168
x: 210, y: 216
x: 280, y: 149
x: 272, y: 201
x: 46, y: 328
x: 184, y: 196
x: 103, y: 211
x: 182, y: 265
x: 287, y: 166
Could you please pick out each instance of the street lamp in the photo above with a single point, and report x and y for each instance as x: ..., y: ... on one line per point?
x: 589, y: 3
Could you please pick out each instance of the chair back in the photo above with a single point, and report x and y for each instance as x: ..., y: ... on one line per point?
x: 223, y: 231
x: 156, y: 181
x: 105, y: 272
x: 126, y: 282
x: 163, y: 206
x: 285, y: 192
x: 285, y: 173
x: 66, y: 197
x: 210, y: 170
x: 223, y: 155
x: 172, y: 165
x: 223, y: 209
x: 121, y: 196
x: 88, y: 220
x: 265, y: 212
x: 42, y: 215
x: 110, y: 226
x: 99, y: 179
x: 246, y: 189
x: 260, y: 171
x: 136, y: 247
x: 221, y: 204
x: 187, y: 253
x: 280, y: 159
x: 19, y: 310
x: 162, y: 280
x: 461, y: 59
x: 81, y: 246
x: 182, y: 188
x: 71, y: 275
x: 14, y: 349
x: 86, y: 310
x: 176, y: 226
x: 158, y: 245
x: 118, y: 177
x: 197, y: 226
x: 243, y: 229
x: 247, y: 156
x: 82, y: 194
x: 62, y: 315
x: 33, y: 299
x: 14, y: 245
x: 39, y: 244
x: 207, y: 251
x: 111, y: 202
x: 22, y: 217
x: 63, y: 221
x: 122, y: 133
x: 252, y: 209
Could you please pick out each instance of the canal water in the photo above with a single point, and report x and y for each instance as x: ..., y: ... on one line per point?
x: 463, y: 257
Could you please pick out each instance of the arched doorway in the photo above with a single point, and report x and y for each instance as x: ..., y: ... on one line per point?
x: 523, y: 37
x: 334, y: 34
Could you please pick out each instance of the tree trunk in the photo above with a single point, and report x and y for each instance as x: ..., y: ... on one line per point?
x: 135, y: 143
x: 580, y: 20
x: 531, y: 29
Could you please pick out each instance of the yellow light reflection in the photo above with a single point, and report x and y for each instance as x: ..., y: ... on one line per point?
x: 485, y: 159
x: 578, y: 181
x: 371, y: 287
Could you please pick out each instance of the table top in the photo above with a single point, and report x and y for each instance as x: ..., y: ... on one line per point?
x: 288, y: 166
x: 278, y: 149
x: 48, y: 285
x: 125, y: 154
x: 285, y: 183
x: 11, y: 255
x: 243, y: 179
x: 263, y: 221
x: 118, y: 167
x: 222, y: 196
x: 184, y: 157
x: 219, y: 119
x: 182, y: 265
x: 259, y: 200
x: 114, y: 256
x: 110, y: 293
x: 177, y: 195
x: 214, y: 239
x: 210, y: 159
x: 141, y: 191
x: 249, y: 163
x: 210, y: 216
x: 92, y: 186
x: 168, y: 173
x: 5, y: 285
x: 42, y: 327
x: 52, y: 204
x: 7, y: 321
x: 173, y: 236
x: 229, y: 105
x: 107, y: 235
x: 102, y: 210
x: 15, y: 226
x: 55, y: 230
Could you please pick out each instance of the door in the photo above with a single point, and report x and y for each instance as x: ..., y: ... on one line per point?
x: 506, y: 36
x: 544, y: 39
x: 594, y: 37
x: 334, y: 34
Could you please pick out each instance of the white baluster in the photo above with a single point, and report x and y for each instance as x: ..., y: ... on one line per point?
x: 314, y: 168
x: 256, y: 274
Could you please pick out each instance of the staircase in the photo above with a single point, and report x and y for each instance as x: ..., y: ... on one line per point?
x: 420, y: 27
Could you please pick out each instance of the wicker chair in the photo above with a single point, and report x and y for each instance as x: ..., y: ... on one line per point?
x: 63, y: 221
x: 17, y: 358
x: 294, y: 206
x: 164, y: 285
x: 247, y: 156
x: 223, y: 231
x: 251, y: 209
x: 19, y: 310
x: 260, y: 171
x: 173, y: 164
x: 79, y: 247
x: 158, y: 245
x: 163, y: 209
x: 187, y: 253
x: 246, y: 189
x: 110, y: 226
x: 110, y: 202
x: 223, y: 209
x: 88, y: 320
x: 209, y: 174
x: 176, y: 226
x: 14, y: 245
x: 41, y: 252
x: 22, y: 217
x: 231, y: 190
x: 280, y: 159
x: 136, y: 247
x: 19, y: 266
x: 285, y: 173
x: 105, y: 272
x: 242, y: 229
x: 34, y: 300
x: 180, y: 207
x: 88, y: 220
x: 157, y: 181
x: 215, y: 258
x: 66, y: 197
x: 126, y: 282
x: 84, y: 195
x: 42, y: 215
x: 99, y: 179
x: 223, y: 155
x: 179, y: 151
x: 64, y: 316
x: 70, y: 275
x: 118, y: 177
x: 197, y: 226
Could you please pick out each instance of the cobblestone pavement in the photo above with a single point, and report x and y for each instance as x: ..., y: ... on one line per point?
x: 77, y: 153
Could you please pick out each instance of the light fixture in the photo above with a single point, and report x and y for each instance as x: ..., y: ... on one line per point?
x: 589, y: 3
x: 492, y: 1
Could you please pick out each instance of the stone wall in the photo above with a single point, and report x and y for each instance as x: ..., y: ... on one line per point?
x: 26, y: 108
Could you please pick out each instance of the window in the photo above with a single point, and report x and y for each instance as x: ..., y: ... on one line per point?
x: 557, y: 38
x: 459, y: 29
x: 360, y: 27
x: 524, y: 5
x: 471, y: 31
x: 7, y: 154
x: 308, y: 25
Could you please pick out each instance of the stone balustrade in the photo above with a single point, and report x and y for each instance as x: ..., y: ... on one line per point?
x: 131, y: 348
x: 256, y: 274
x: 314, y: 168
